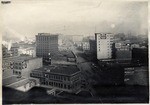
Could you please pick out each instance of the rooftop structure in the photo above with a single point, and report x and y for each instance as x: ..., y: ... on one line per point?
x: 59, y: 69
x: 63, y: 57
x: 19, y: 58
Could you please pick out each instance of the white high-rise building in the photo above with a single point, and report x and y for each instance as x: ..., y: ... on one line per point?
x: 104, y: 45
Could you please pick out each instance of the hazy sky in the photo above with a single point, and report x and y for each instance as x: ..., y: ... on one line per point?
x: 29, y: 17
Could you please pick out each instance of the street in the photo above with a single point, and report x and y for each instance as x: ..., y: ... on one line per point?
x: 86, y: 71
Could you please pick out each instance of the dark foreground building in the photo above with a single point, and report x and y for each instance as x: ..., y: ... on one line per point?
x: 140, y: 55
x: 60, y: 77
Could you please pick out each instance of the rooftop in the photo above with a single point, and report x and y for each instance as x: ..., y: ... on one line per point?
x: 60, y: 69
x: 47, y: 34
x: 11, y: 80
x: 69, y: 54
x: 19, y: 58
x: 63, y: 55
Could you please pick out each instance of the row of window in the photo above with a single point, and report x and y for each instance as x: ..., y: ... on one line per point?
x: 16, y: 72
x: 18, y: 63
x: 100, y: 49
x: 20, y: 67
x: 36, y: 74
x: 45, y: 50
x: 57, y: 77
x: 47, y: 42
x: 14, y: 67
x: 46, y: 39
x: 55, y: 84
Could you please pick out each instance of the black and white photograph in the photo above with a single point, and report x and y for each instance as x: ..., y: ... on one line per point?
x: 74, y: 51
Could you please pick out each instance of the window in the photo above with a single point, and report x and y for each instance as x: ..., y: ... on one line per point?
x: 64, y: 78
x: 46, y: 75
x: 65, y: 86
x: 56, y: 84
x: 15, y: 67
x: 58, y: 77
x: 46, y: 83
x: 61, y: 85
x: 68, y: 79
x: 61, y: 77
x: 68, y: 86
x: 30, y: 74
x: 43, y: 83
x: 49, y: 83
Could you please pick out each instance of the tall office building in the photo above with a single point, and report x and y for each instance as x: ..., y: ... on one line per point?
x: 104, y: 43
x: 46, y: 45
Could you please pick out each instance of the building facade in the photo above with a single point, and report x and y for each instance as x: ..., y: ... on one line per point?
x: 60, y: 77
x: 28, y: 51
x: 85, y: 46
x: 46, y: 44
x: 20, y: 66
x: 140, y: 55
x: 63, y: 57
x: 104, y: 43
x: 136, y: 75
x: 14, y: 51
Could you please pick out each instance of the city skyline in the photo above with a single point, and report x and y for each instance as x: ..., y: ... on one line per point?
x: 75, y: 51
x: 74, y: 17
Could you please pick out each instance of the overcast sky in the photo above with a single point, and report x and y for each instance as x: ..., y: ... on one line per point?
x: 85, y: 17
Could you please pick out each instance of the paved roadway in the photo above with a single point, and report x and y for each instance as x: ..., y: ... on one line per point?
x: 86, y: 70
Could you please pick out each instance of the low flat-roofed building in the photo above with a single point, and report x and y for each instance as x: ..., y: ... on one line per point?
x: 20, y: 65
x: 64, y: 57
x: 136, y: 75
x: 140, y: 55
x: 60, y: 77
